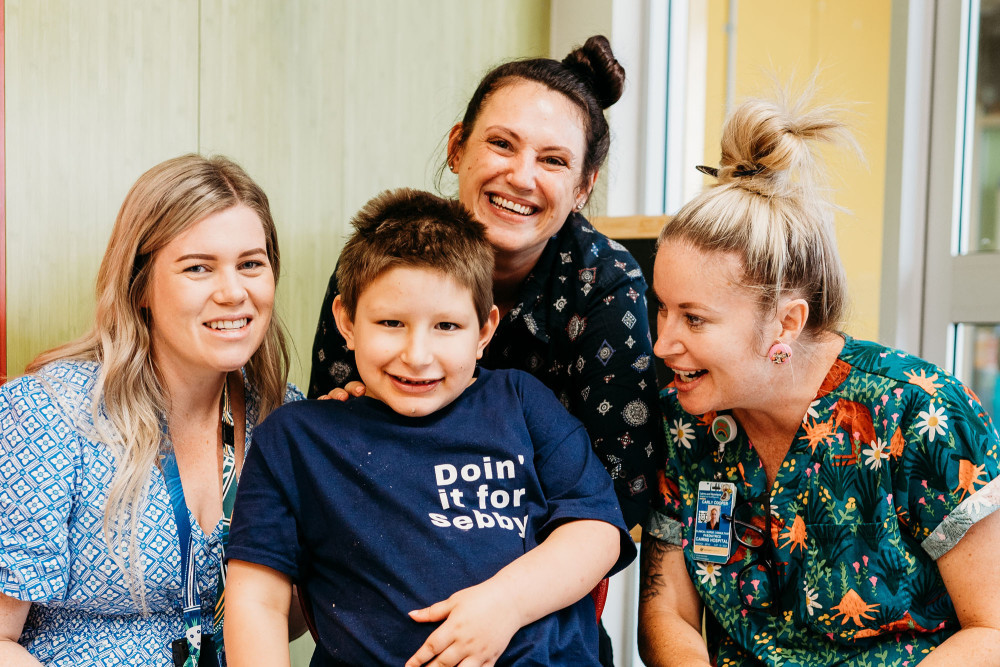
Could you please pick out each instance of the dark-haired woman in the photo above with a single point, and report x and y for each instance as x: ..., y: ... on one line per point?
x: 858, y: 484
x: 527, y: 155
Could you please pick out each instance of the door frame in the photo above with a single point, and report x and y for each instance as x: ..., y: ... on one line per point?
x: 3, y: 202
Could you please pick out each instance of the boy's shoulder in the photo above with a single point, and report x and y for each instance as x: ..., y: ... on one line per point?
x: 511, y: 379
x: 309, y: 413
x: 299, y: 408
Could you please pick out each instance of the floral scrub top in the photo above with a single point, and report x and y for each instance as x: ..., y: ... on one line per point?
x: 581, y: 327
x: 54, y: 478
x: 894, y: 461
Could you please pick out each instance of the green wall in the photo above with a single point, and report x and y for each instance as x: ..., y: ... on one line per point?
x: 324, y: 102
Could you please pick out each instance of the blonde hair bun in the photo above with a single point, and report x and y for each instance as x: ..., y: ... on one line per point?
x: 768, y: 144
x: 770, y: 205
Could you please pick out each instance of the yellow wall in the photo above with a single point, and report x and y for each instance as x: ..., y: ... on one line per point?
x: 324, y: 102
x: 849, y: 41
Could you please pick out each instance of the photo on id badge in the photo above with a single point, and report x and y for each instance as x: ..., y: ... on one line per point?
x: 712, y: 534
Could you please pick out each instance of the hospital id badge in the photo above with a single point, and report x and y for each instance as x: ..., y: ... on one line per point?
x: 713, y: 521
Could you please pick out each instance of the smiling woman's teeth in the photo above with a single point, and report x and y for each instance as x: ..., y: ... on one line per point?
x: 687, y: 376
x: 497, y: 200
x: 228, y: 324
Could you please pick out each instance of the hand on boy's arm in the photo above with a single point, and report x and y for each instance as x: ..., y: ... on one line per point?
x: 351, y: 389
x: 482, y: 619
x: 480, y: 622
x: 256, y: 627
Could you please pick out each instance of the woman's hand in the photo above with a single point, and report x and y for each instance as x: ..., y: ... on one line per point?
x: 478, y: 624
x: 351, y: 389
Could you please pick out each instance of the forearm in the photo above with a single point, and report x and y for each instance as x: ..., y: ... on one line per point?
x: 669, y: 608
x: 15, y: 655
x: 561, y: 570
x: 667, y: 639
x: 970, y: 646
x: 257, y: 604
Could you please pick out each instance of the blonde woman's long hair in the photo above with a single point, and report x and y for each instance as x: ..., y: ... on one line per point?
x: 770, y: 206
x: 128, y: 400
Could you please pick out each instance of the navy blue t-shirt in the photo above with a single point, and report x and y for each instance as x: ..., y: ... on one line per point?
x: 376, y: 514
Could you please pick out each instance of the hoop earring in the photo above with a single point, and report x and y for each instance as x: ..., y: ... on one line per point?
x: 779, y: 352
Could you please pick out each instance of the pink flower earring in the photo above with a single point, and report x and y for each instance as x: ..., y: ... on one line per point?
x: 779, y: 352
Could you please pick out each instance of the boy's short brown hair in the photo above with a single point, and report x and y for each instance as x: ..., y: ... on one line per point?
x: 413, y: 228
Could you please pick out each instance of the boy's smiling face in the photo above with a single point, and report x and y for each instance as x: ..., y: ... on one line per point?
x: 416, y: 338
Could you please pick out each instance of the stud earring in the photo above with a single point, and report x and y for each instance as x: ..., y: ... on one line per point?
x: 779, y: 352
x: 579, y: 206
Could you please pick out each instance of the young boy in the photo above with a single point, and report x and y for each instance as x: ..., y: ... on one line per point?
x: 449, y: 512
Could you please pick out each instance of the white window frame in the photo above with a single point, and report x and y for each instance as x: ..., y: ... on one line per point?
x: 931, y: 289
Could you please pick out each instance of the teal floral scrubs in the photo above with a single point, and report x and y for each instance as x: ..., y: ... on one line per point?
x: 893, y: 463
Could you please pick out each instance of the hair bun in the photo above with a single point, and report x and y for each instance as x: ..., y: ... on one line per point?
x: 772, y: 142
x: 596, y: 64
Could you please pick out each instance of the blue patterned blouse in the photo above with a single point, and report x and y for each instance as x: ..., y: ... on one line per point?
x: 580, y: 326
x: 54, y: 478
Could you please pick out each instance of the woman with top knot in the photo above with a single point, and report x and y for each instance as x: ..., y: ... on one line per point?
x: 572, y: 302
x: 857, y: 483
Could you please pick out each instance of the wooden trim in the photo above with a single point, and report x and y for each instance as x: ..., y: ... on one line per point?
x: 3, y: 201
x: 630, y: 226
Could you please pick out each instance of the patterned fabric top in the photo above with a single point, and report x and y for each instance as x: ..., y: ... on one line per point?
x: 581, y: 328
x: 894, y: 461
x: 54, y: 478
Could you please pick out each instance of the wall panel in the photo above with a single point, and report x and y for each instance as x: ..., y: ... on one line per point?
x: 328, y: 103
x: 97, y: 92
x: 3, y: 213
x: 324, y: 102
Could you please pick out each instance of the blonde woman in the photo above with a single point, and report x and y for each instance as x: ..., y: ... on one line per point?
x: 119, y: 451
x: 858, y: 484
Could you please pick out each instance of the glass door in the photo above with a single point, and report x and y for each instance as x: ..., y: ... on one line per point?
x: 979, y: 342
x: 961, y: 313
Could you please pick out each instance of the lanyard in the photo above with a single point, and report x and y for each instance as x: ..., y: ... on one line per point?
x: 192, y: 597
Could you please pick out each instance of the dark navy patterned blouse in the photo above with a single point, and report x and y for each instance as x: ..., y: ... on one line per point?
x: 581, y: 327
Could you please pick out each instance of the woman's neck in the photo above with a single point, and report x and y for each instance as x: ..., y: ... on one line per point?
x: 194, y: 399
x: 772, y: 423
x: 509, y: 274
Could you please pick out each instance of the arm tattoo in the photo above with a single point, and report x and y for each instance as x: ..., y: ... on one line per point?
x: 651, y: 581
